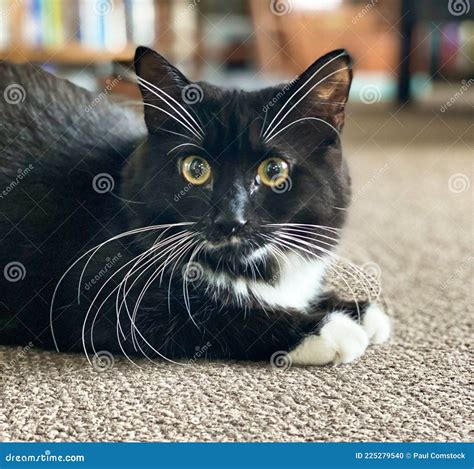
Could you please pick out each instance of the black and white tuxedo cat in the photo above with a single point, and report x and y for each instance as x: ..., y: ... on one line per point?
x: 214, y: 223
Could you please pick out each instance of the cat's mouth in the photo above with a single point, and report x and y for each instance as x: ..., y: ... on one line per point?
x: 224, y: 243
x: 234, y: 254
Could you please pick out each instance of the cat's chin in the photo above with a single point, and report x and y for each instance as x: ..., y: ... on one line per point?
x: 233, y: 241
x: 237, y: 256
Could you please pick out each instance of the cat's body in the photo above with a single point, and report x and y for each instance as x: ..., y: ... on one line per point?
x: 225, y: 277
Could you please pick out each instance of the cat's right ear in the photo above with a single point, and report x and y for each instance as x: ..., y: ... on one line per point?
x: 161, y: 85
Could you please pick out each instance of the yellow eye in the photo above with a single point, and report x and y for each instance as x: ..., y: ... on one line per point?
x: 196, y: 170
x: 273, y: 171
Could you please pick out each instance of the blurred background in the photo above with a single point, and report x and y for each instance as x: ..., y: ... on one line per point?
x: 404, y: 50
x: 411, y: 101
x: 409, y: 141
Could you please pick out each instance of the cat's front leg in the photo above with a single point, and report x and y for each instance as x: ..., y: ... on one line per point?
x: 345, y: 333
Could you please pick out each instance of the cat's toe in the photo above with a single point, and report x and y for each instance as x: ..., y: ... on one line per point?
x: 376, y: 324
x: 340, y: 340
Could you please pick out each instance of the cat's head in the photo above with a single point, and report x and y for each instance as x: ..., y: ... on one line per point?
x: 241, y: 164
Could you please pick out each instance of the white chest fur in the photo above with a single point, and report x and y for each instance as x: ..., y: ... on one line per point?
x: 299, y: 282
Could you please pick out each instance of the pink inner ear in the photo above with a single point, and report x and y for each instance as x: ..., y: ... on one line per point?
x: 335, y: 88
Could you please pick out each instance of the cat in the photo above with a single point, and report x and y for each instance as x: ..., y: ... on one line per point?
x: 209, y: 223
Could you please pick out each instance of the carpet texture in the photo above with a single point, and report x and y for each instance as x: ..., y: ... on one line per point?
x: 411, y: 223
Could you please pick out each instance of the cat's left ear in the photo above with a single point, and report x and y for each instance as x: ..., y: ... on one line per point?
x: 160, y: 83
x: 323, y: 88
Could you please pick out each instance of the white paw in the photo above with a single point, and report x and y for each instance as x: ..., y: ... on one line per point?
x: 376, y: 324
x: 341, y: 340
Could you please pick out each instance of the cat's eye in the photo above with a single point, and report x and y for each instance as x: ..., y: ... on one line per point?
x: 273, y: 171
x: 196, y: 170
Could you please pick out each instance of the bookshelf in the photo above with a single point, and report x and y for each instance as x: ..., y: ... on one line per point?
x: 81, y: 32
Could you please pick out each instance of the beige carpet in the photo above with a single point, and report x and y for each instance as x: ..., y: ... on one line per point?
x: 413, y: 223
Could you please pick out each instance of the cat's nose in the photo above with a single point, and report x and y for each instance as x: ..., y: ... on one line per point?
x: 229, y: 225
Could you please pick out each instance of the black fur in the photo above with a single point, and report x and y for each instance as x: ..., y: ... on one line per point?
x: 53, y: 215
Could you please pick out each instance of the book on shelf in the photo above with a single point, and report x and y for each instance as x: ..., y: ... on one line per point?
x: 95, y: 24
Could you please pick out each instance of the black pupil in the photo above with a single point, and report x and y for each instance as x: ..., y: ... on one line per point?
x: 274, y: 169
x: 197, y: 168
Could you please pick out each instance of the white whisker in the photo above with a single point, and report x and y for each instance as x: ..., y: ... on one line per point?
x: 298, y: 91
x: 184, y: 144
x: 334, y: 269
x: 94, y: 251
x: 267, y: 135
x: 186, y: 126
x: 305, y: 119
x: 147, y: 85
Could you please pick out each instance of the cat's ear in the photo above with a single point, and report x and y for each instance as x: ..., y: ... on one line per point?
x: 329, y: 79
x: 320, y: 92
x: 161, y: 85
